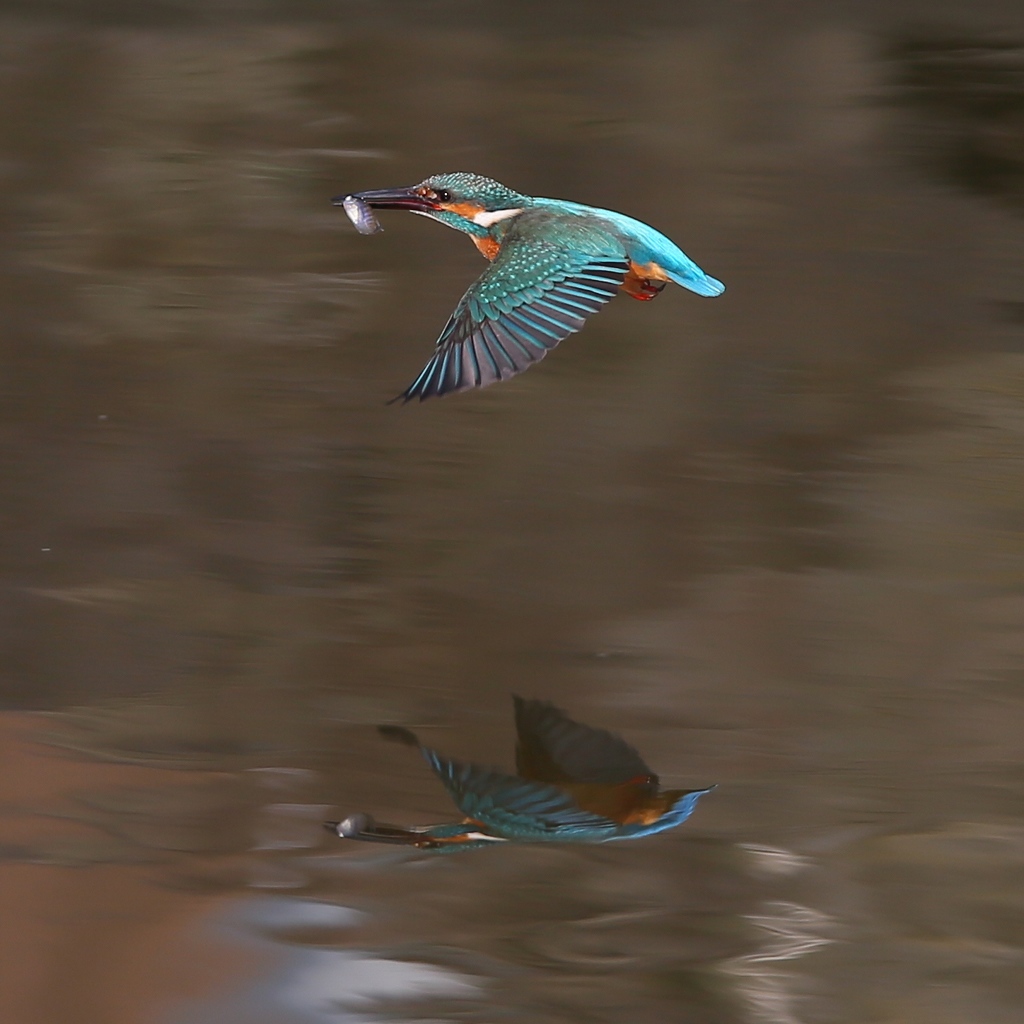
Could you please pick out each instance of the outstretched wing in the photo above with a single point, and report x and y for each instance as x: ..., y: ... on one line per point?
x: 553, y: 748
x: 512, y: 805
x: 535, y: 294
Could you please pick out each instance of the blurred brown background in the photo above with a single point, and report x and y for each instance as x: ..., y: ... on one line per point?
x: 774, y: 539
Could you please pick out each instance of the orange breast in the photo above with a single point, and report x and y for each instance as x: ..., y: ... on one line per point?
x: 487, y: 245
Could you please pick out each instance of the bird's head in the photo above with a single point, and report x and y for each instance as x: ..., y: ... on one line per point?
x: 467, y: 202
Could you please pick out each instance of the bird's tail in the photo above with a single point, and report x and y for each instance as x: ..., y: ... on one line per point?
x: 699, y: 282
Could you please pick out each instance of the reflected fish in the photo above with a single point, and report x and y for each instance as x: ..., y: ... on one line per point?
x: 575, y: 784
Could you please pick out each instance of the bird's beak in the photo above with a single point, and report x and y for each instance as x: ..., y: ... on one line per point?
x: 392, y: 199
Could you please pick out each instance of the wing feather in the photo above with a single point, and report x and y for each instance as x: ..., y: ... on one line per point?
x: 533, y: 296
x: 553, y: 748
x: 520, y: 807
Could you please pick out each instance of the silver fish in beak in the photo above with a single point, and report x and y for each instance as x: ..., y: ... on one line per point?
x: 361, y: 215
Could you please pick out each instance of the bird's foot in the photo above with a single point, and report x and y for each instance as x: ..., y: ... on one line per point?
x: 642, y: 288
x: 648, y: 290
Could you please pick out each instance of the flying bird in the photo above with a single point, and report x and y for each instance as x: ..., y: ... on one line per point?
x: 575, y: 784
x: 553, y: 263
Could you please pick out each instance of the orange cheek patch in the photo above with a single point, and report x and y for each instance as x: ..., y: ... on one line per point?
x: 467, y: 210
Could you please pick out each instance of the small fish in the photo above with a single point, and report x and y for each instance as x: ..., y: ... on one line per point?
x: 361, y: 215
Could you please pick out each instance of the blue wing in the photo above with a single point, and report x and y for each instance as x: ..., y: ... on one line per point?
x: 534, y: 295
x: 646, y: 245
x: 517, y: 807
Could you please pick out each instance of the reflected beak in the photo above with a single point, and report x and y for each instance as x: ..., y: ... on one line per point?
x: 362, y: 826
x: 392, y: 199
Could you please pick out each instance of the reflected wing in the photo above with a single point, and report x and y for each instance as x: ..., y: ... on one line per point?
x: 553, y: 748
x: 516, y: 806
x: 535, y: 294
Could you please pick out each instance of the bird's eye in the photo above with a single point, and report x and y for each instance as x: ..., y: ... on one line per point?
x: 443, y: 196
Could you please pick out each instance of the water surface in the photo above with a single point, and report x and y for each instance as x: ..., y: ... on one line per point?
x: 773, y: 539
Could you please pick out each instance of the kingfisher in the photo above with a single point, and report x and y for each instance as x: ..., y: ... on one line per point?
x: 552, y: 264
x: 575, y: 784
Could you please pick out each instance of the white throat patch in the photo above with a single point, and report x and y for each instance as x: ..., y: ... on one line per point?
x: 487, y: 218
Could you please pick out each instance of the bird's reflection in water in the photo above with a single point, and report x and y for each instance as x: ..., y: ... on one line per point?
x: 575, y: 784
